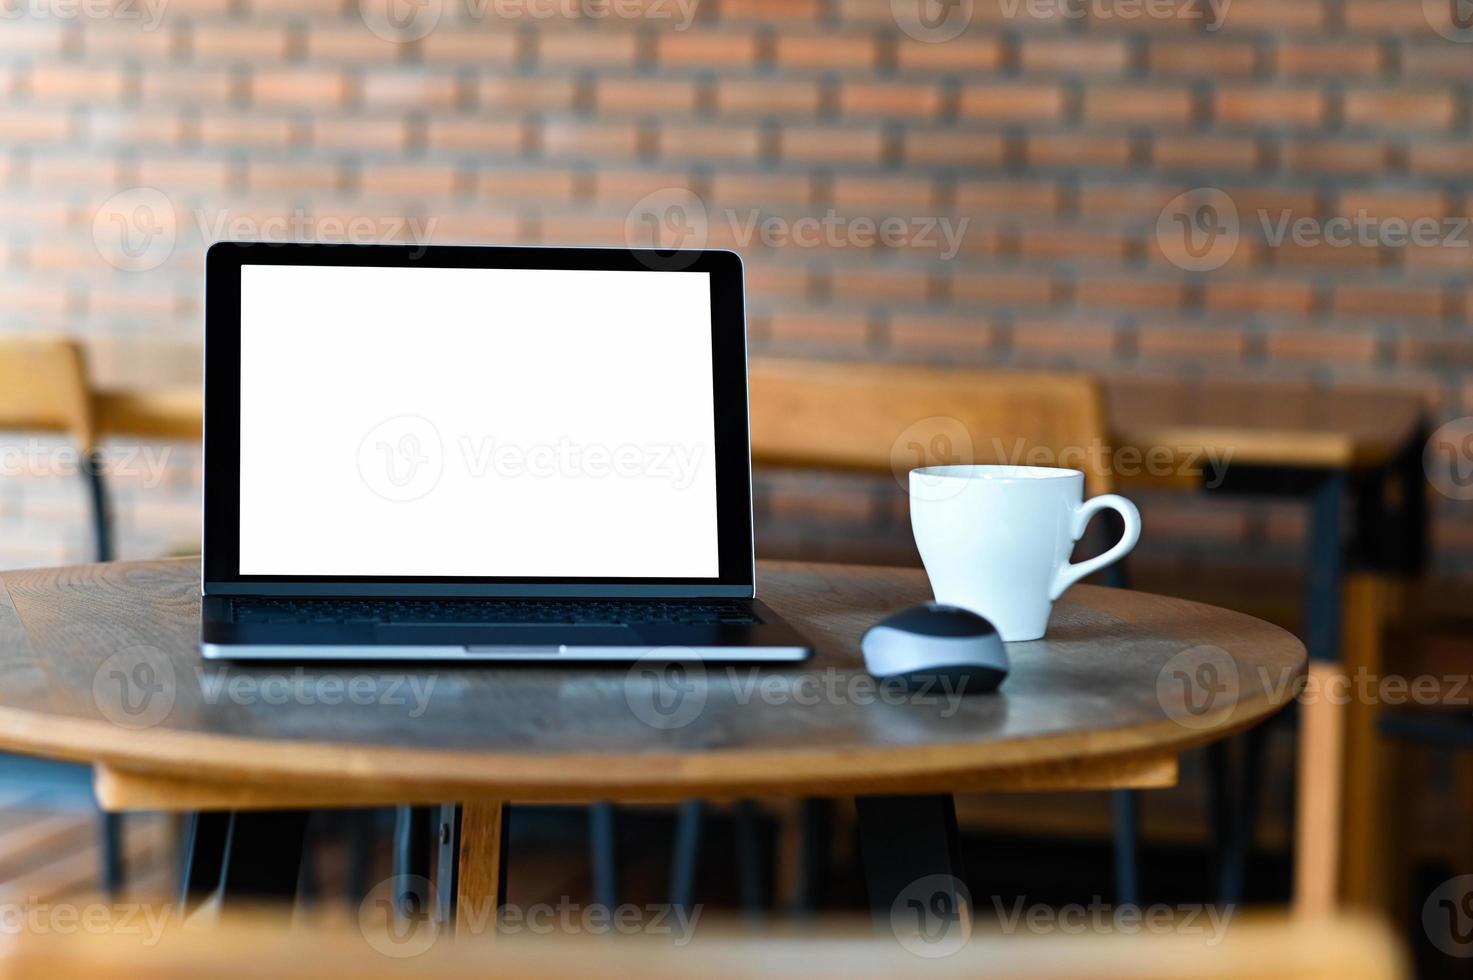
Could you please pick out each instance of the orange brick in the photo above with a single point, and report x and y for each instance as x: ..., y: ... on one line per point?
x: 238, y: 42
x: 1321, y: 345
x: 1073, y: 55
x: 1400, y: 108
x: 271, y: 132
x: 34, y: 38
x: 828, y: 330
x: 781, y: 10
x: 1260, y: 296
x: 1205, y: 153
x: 1299, y: 16
x: 1386, y: 16
x: 1440, y: 159
x: 914, y: 101
x: 183, y: 172
x: 1040, y: 335
x: 898, y: 195
x: 962, y: 55
x: 1439, y: 61
x: 352, y: 44
x: 359, y: 132
x: 1015, y: 288
x: 1007, y: 196
x: 1129, y: 291
x: 654, y: 95
x: 1290, y: 254
x: 36, y: 125
x: 954, y: 148
x: 578, y: 48
x: 513, y: 186
x: 1332, y: 58
x: 789, y: 98
x: 1336, y: 156
x: 1391, y: 300
x: 1013, y: 103
x: 1065, y: 244
x: 1215, y: 58
x: 870, y: 282
x: 949, y: 334
x: 818, y: 143
x: 191, y: 86
x: 1179, y: 342
x: 1076, y: 149
x: 462, y: 227
x: 1262, y: 105
x: 296, y: 176
x: 56, y: 82
x: 731, y: 141
x: 405, y: 180
x: 1140, y: 201
x: 1407, y: 206
x: 566, y: 137
x: 481, y: 44
x: 127, y: 38
x: 301, y: 88
x: 480, y: 135
x: 515, y: 94
x: 761, y: 190
x: 706, y: 49
x: 624, y: 187
x: 827, y: 51
x: 1146, y: 104
x: 411, y: 90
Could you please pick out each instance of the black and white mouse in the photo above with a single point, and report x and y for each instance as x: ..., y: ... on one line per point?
x: 931, y: 645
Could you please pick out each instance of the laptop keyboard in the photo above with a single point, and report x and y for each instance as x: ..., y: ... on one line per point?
x: 490, y: 612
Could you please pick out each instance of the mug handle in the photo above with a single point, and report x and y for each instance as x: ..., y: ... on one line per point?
x: 1072, y: 573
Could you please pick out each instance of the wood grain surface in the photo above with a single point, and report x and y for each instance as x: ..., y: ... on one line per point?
x: 100, y: 663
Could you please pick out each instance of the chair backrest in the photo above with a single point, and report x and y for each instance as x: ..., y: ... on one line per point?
x: 892, y: 418
x: 43, y: 388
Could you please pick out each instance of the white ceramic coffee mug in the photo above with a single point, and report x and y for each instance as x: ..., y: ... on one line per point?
x: 997, y: 539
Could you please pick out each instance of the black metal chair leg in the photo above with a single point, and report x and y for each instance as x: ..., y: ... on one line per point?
x: 1125, y: 809
x: 815, y: 828
x: 111, y: 825
x: 751, y: 888
x: 605, y: 869
x: 1235, y: 793
x: 205, y: 836
x: 686, y: 858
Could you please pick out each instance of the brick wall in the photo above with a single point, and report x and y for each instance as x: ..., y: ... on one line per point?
x: 1021, y: 150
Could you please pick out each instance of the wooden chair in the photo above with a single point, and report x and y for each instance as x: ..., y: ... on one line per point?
x: 1304, y: 949
x: 44, y: 388
x: 886, y: 418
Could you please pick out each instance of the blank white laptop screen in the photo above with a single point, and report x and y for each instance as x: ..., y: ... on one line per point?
x: 476, y: 422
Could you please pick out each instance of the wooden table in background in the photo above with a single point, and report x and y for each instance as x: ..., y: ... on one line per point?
x: 1347, y: 451
x: 102, y: 665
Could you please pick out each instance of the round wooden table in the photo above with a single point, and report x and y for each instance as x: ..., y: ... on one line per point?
x: 101, y: 665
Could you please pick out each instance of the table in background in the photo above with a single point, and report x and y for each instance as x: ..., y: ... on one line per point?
x: 1095, y: 705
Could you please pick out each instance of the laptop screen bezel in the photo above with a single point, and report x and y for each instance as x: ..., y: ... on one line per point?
x: 221, y: 558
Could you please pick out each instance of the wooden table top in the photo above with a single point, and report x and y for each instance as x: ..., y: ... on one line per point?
x: 100, y: 664
x: 1263, y: 423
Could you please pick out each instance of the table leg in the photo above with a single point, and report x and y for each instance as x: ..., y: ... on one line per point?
x: 911, y: 856
x: 478, y: 888
x: 603, y: 854
x: 1324, y: 569
x: 687, y: 853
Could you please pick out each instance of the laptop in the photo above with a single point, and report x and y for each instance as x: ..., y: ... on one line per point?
x: 478, y: 454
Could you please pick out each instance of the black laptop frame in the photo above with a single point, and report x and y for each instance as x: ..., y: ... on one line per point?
x: 221, y: 560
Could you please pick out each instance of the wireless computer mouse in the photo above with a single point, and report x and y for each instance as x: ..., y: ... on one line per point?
x: 935, y: 646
